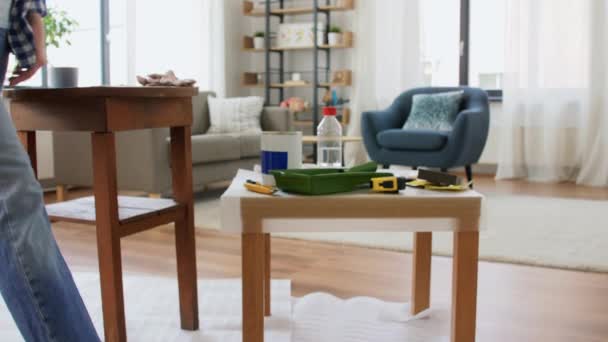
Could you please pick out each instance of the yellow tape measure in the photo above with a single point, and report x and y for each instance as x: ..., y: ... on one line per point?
x: 259, y: 188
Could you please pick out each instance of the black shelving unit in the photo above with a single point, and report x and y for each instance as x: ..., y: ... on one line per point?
x: 320, y: 8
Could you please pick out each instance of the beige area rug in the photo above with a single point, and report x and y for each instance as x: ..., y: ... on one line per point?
x: 153, y: 315
x: 552, y: 232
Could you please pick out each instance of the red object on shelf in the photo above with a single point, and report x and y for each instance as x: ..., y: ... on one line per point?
x: 330, y: 111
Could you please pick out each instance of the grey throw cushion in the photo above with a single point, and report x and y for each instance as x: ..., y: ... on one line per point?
x: 434, y: 111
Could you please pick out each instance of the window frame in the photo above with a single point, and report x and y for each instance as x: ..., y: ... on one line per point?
x: 495, y: 95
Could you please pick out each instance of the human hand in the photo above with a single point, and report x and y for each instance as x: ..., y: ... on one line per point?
x: 20, y: 74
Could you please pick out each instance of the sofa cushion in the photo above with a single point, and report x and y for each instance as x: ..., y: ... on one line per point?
x: 200, y: 112
x: 208, y: 148
x: 414, y: 139
x: 235, y: 115
x: 250, y: 144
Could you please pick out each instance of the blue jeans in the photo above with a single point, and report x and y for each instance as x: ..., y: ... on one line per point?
x: 34, y: 279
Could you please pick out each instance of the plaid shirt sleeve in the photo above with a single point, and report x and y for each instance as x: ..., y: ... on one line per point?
x: 20, y: 33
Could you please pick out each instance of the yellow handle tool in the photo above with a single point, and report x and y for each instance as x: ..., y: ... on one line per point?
x: 260, y: 188
x: 388, y: 184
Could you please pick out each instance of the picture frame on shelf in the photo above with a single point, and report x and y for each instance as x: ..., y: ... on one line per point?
x: 299, y: 34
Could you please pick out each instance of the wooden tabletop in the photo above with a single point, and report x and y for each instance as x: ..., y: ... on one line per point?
x: 99, y: 91
x: 309, y: 139
x: 358, y: 211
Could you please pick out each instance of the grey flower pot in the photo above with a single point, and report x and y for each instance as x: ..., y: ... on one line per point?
x: 63, y: 77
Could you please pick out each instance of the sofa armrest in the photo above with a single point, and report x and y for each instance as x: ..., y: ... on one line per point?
x: 276, y: 119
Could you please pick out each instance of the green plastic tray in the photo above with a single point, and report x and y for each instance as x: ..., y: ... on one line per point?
x: 326, y: 181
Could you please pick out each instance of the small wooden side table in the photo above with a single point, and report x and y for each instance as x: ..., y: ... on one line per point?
x: 104, y: 111
x: 419, y: 211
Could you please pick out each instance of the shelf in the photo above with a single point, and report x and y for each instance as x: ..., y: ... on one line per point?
x: 311, y: 139
x: 296, y: 48
x: 347, y: 5
x: 283, y: 85
x: 307, y: 123
x: 347, y: 43
x: 341, y: 78
x: 135, y: 214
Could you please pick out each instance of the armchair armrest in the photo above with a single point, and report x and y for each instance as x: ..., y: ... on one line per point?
x: 469, y: 135
x: 276, y: 119
x: 373, y: 122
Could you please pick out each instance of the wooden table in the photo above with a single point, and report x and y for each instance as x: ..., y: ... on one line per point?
x: 311, y: 139
x: 104, y: 111
x: 422, y: 212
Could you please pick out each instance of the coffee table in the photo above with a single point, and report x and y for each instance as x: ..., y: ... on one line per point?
x: 422, y: 212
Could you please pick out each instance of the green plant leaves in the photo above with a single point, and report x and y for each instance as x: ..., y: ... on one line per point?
x: 58, y: 26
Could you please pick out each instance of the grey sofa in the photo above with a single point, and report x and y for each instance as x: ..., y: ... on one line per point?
x: 143, y: 156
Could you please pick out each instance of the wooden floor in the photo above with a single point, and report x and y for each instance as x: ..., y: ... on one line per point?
x: 516, y: 303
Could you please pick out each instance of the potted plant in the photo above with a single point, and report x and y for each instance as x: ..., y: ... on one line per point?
x: 335, y: 36
x: 258, y: 40
x: 59, y: 26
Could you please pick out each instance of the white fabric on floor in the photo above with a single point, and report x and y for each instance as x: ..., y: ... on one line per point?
x: 152, y: 314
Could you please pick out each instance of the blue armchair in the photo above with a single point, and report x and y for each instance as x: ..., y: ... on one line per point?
x: 388, y: 144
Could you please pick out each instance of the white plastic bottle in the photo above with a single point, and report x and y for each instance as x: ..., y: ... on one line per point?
x: 329, y: 146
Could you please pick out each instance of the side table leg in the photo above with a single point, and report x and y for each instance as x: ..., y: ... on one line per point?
x: 185, y: 241
x: 253, y: 263
x: 267, y: 276
x: 421, y: 272
x: 28, y: 140
x: 108, y: 237
x: 464, y: 286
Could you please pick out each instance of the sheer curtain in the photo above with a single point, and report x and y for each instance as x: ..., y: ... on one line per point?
x: 555, y: 114
x: 387, y: 60
x: 186, y: 36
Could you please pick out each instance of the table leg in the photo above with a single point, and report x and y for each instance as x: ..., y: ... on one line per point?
x: 464, y: 286
x: 253, y: 265
x: 185, y: 243
x: 267, y: 275
x: 61, y: 192
x: 28, y: 140
x: 421, y: 272
x: 108, y: 237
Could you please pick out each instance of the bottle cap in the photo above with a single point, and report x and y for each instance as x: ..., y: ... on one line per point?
x: 331, y: 111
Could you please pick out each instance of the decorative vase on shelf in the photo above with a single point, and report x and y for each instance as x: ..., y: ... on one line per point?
x: 63, y: 77
x: 334, y: 38
x: 258, y: 43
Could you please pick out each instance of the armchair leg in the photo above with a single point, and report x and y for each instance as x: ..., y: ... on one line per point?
x: 469, y: 173
x: 386, y: 166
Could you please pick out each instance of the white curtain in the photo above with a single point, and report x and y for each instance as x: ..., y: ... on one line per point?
x: 186, y: 36
x: 555, y: 115
x: 386, y: 60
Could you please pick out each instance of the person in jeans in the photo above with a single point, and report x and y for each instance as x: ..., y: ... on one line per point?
x: 35, y: 281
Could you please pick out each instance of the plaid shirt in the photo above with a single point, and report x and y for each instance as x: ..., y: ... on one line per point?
x: 20, y: 33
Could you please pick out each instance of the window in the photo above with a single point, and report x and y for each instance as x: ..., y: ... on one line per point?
x: 463, y: 43
x: 85, y: 51
x: 120, y: 73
